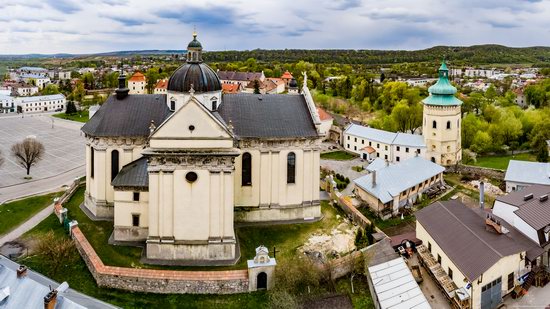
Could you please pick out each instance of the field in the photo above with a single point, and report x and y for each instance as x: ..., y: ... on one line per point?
x: 501, y: 162
x: 15, y: 213
x: 338, y: 155
x: 80, y: 116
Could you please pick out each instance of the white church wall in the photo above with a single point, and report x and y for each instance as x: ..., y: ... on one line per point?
x: 124, y: 210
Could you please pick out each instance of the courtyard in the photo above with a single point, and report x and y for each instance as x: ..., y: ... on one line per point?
x: 64, y: 147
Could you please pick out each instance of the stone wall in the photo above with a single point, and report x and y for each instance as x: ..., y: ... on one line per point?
x: 477, y: 170
x: 159, y: 281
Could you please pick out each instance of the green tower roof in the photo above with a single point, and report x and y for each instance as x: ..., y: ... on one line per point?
x: 442, y: 93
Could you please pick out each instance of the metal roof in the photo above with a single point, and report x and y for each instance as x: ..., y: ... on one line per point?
x: 461, y: 233
x: 133, y: 174
x: 391, y: 180
x: 129, y: 117
x: 396, y: 287
x: 198, y: 75
x: 41, y: 98
x: 442, y: 92
x: 528, y: 172
x: 30, y: 290
x: 387, y: 137
x: 377, y: 164
x: 268, y: 116
x: 240, y: 76
x: 533, y: 211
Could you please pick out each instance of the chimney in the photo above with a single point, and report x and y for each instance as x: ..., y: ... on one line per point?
x: 481, y: 195
x: 50, y: 300
x: 22, y: 271
x: 374, y: 178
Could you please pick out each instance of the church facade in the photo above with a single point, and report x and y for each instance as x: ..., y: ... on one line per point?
x: 177, y: 170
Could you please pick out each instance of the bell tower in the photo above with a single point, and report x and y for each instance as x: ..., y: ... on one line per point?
x: 441, y: 124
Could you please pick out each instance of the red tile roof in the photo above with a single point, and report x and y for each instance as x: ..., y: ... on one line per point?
x: 162, y: 84
x: 137, y: 77
x: 323, y: 115
x: 286, y: 75
x: 230, y: 88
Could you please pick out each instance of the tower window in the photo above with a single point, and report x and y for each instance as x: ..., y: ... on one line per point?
x: 434, y: 124
x: 448, y: 124
x: 135, y: 197
x: 246, y: 169
x: 291, y: 168
x: 92, y: 162
x: 114, y: 164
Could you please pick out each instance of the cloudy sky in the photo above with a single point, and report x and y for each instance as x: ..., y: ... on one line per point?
x: 89, y: 26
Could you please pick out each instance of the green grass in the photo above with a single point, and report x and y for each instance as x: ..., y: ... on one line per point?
x: 80, y: 116
x: 15, y: 213
x: 285, y: 237
x: 501, y: 162
x: 338, y: 155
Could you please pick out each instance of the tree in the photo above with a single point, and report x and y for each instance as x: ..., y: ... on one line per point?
x: 28, y: 152
x: 256, y: 86
x: 50, y: 89
x: 71, y: 108
x: 482, y: 142
x: 58, y: 251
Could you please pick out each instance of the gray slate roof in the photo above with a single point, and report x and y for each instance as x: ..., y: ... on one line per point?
x: 133, y: 174
x: 29, y: 291
x: 386, y: 137
x: 460, y: 232
x: 268, y: 116
x: 240, y: 76
x: 533, y: 211
x: 393, y: 179
x: 528, y: 172
x: 129, y: 117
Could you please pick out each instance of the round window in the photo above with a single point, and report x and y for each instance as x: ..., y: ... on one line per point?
x: 191, y: 128
x: 191, y: 176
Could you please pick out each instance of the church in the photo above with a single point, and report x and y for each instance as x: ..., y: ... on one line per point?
x: 176, y: 171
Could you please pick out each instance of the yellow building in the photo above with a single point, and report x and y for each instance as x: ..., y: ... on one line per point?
x: 176, y: 170
x: 475, y: 258
x: 442, y: 122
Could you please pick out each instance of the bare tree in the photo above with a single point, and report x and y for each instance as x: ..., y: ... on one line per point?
x: 59, y: 251
x: 28, y: 152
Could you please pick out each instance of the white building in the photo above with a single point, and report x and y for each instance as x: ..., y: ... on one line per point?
x: 372, y: 143
x: 23, y: 89
x: 35, y: 79
x: 64, y: 75
x: 137, y: 83
x: 521, y: 174
x: 420, y: 82
x: 528, y: 211
x: 7, y: 104
x: 39, y: 104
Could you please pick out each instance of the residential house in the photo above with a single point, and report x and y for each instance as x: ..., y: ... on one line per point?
x: 372, y: 143
x: 528, y: 211
x: 287, y: 77
x: 7, y: 104
x: 137, y: 83
x: 326, y: 122
x: 388, y: 189
x: 161, y: 86
x: 521, y: 174
x: 21, y: 89
x: 520, y: 97
x: 231, y: 88
x: 35, y: 79
x: 45, y: 103
x: 240, y: 78
x: 391, y: 283
x: 420, y: 82
x: 475, y: 257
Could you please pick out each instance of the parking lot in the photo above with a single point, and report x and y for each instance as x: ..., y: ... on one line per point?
x: 64, y: 147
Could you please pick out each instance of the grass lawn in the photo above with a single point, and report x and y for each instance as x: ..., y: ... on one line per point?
x: 80, y: 116
x: 285, y: 237
x: 501, y: 162
x: 338, y: 155
x: 15, y: 213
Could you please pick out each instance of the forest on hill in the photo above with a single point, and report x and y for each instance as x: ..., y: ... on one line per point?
x: 472, y: 55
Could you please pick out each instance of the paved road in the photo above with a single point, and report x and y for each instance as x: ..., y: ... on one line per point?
x: 26, y: 226
x: 39, y: 186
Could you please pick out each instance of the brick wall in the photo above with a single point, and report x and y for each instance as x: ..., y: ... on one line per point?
x: 159, y: 281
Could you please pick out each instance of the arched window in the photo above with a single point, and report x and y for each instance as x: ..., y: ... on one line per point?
x: 247, y: 169
x: 448, y: 124
x: 433, y: 159
x: 92, y: 162
x: 114, y: 164
x: 434, y: 124
x: 291, y: 168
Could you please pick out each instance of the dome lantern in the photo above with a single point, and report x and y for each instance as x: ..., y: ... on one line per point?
x: 194, y: 50
x: 442, y: 92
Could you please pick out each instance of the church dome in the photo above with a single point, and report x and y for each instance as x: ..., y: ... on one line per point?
x: 293, y: 83
x: 198, y: 75
x: 442, y: 93
x: 194, y: 74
